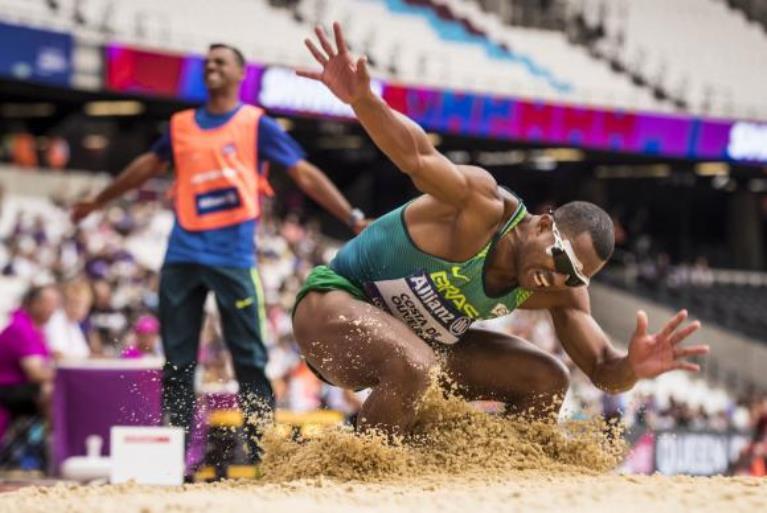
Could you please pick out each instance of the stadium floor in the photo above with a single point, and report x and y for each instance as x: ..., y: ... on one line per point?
x: 525, y: 491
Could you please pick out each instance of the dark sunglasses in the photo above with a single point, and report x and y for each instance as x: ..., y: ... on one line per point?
x: 565, y: 261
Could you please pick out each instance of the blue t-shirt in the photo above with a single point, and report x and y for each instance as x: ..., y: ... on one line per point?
x: 232, y: 246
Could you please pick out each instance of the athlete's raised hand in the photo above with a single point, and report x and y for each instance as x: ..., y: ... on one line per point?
x: 654, y: 354
x: 346, y: 77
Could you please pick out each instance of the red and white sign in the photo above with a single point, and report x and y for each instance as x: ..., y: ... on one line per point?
x: 147, y: 455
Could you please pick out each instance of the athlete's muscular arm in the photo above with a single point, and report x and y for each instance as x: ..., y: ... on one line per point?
x: 649, y: 355
x: 589, y: 347
x: 318, y: 186
x: 143, y: 167
x: 401, y: 139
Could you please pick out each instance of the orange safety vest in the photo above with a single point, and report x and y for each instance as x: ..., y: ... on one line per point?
x: 217, y: 179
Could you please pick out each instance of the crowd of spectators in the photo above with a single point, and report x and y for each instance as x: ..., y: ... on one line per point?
x: 105, y: 288
x: 656, y: 270
x: 106, y: 295
x: 108, y: 298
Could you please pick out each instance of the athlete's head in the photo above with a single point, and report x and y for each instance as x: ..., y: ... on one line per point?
x: 565, y: 248
x: 224, y: 67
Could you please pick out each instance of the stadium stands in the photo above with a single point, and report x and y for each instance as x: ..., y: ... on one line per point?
x: 639, y: 58
x: 441, y: 49
x: 732, y: 299
x: 754, y: 10
x: 704, y: 53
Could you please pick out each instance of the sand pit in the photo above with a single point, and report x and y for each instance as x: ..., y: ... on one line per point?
x: 459, y: 460
x: 523, y: 491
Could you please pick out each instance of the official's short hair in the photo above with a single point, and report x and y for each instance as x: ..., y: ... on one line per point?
x: 239, y: 57
x: 577, y: 217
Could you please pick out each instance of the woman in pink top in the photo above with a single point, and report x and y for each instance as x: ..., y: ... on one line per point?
x: 26, y: 371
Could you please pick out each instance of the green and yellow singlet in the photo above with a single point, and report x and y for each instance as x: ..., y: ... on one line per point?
x: 438, y: 299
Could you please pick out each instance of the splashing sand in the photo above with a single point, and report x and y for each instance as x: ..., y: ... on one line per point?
x: 458, y: 460
x: 450, y: 438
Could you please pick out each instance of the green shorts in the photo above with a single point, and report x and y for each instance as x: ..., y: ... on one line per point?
x: 324, y: 279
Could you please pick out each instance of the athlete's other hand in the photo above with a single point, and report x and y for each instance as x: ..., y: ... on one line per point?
x: 653, y: 354
x: 346, y: 78
x: 82, y: 209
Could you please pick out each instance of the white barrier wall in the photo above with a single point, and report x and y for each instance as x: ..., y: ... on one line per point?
x: 30, y: 182
x: 734, y: 354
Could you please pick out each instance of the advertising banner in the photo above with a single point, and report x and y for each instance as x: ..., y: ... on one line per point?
x: 698, y: 453
x: 35, y: 55
x: 469, y: 114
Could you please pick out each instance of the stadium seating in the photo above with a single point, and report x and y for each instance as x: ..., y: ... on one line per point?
x: 592, y: 80
x: 707, y: 56
x: 735, y: 300
x: 702, y: 50
x: 435, y: 52
x: 755, y: 10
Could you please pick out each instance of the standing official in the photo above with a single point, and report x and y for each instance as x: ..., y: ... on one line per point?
x: 216, y: 152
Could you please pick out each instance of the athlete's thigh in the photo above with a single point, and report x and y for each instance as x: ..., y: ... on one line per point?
x: 487, y: 365
x: 353, y: 344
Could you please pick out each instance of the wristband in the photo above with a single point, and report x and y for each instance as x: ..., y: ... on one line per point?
x: 355, y: 217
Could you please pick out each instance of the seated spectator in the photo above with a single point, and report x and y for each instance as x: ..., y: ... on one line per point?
x: 64, y: 332
x: 145, y: 338
x: 26, y: 373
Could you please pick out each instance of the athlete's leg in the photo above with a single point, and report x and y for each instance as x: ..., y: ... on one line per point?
x: 486, y: 365
x: 354, y: 345
x: 239, y: 297
x: 182, y: 295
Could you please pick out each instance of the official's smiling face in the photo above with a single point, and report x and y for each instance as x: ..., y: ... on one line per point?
x: 222, y: 69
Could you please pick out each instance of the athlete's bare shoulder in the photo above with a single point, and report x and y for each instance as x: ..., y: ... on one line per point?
x: 481, y: 182
x: 486, y: 202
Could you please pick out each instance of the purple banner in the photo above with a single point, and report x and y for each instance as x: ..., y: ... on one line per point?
x: 477, y: 115
x: 608, y: 130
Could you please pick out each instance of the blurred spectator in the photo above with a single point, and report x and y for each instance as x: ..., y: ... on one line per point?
x: 64, y: 333
x: 145, y: 340
x: 56, y: 152
x: 701, y: 274
x: 107, y: 322
x: 26, y: 373
x: 24, y: 150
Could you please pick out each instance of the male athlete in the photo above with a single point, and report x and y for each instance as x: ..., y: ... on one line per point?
x: 412, y: 282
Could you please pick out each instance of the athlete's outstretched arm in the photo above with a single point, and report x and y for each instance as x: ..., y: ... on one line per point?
x: 401, y: 139
x: 649, y: 355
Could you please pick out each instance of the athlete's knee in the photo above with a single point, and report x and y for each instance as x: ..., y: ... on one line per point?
x: 554, y: 377
x: 410, y: 367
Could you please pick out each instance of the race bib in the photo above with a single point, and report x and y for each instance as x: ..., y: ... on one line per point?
x: 415, y: 301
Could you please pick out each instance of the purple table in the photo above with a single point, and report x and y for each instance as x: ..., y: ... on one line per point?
x: 92, y: 396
